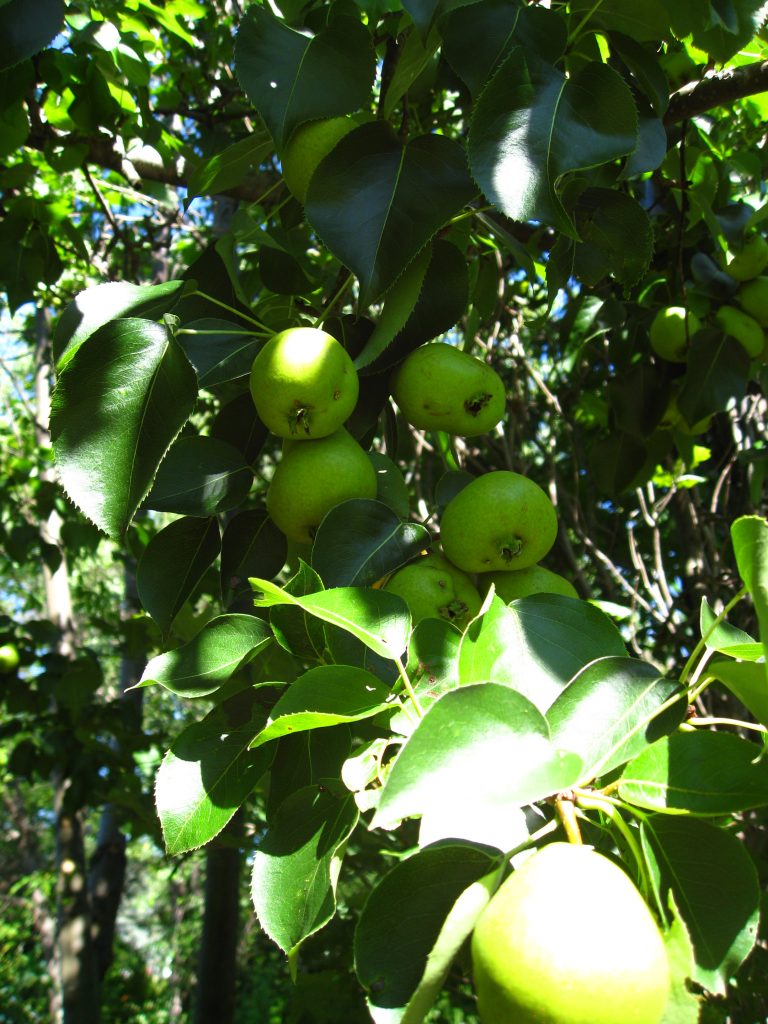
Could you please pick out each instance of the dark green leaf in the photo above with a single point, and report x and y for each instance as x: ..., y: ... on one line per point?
x: 722, y: 39
x: 230, y: 168
x: 697, y: 773
x: 716, y: 889
x: 296, y: 865
x: 307, y: 759
x: 239, y: 425
x: 291, y: 77
x: 478, y: 36
x: 26, y: 28
x: 615, y: 461
x: 251, y: 546
x: 718, y: 369
x: 532, y: 125
x: 479, y: 753
x: 647, y: 21
x: 119, y: 403
x: 208, y: 773
x: 616, y: 234
x: 414, y: 923
x: 200, y: 667
x: 200, y: 476
x: 296, y: 630
x: 607, y: 714
x: 360, y: 541
x: 220, y: 351
x: 281, y: 272
x: 725, y: 638
x: 371, y: 178
x: 536, y: 644
x: 173, y: 564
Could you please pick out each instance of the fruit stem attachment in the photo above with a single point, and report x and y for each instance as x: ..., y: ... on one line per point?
x: 565, y: 808
x: 408, y: 686
x: 329, y: 306
x: 231, y: 309
x: 511, y: 549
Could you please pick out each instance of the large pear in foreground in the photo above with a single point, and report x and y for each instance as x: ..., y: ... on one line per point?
x: 501, y: 520
x: 568, y: 939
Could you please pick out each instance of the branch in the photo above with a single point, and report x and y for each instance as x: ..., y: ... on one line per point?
x: 717, y: 90
x: 141, y: 165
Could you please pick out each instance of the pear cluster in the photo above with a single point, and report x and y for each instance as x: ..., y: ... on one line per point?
x: 673, y: 327
x: 304, y: 386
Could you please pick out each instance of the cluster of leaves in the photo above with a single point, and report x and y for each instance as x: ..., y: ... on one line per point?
x: 505, y: 157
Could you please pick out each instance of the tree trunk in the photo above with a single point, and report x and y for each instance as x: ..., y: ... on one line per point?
x: 217, y: 971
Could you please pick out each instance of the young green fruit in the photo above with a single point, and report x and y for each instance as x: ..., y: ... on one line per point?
x: 500, y: 520
x: 9, y: 658
x: 524, y: 582
x: 432, y: 588
x: 308, y: 145
x: 670, y: 334
x: 314, y: 477
x: 568, y: 939
x: 439, y: 387
x: 750, y: 260
x: 743, y: 328
x: 304, y: 384
x: 753, y: 299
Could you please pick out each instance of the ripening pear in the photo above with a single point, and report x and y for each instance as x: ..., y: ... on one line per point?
x: 568, y: 939
x: 439, y: 387
x: 304, y: 384
x: 536, y: 579
x: 501, y: 520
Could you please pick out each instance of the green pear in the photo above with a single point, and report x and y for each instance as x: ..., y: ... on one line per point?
x: 304, y: 384
x: 432, y: 588
x: 9, y: 658
x: 671, y: 331
x: 753, y: 299
x: 743, y: 328
x: 308, y: 145
x: 315, y: 476
x: 568, y: 939
x: 439, y: 387
x: 501, y: 520
x: 748, y: 261
x: 524, y: 582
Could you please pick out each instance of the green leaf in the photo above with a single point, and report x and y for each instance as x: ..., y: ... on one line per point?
x: 378, y: 619
x: 746, y: 681
x: 683, y: 1007
x: 749, y: 536
x: 200, y: 476
x: 725, y: 638
x: 26, y: 28
x: 433, y: 657
x: 297, y: 863
x: 221, y: 351
x: 648, y: 21
x: 697, y: 773
x: 291, y: 77
x: 118, y: 405
x: 231, y: 167
x: 615, y: 461
x: 532, y: 125
x: 608, y: 713
x: 325, y: 696
x: 202, y: 666
x: 173, y: 564
x: 408, y: 319
x: 536, y: 644
x: 616, y: 234
x: 423, y: 12
x: 371, y: 178
x: 478, y: 36
x: 361, y: 540
x: 414, y: 57
x: 723, y: 39
x: 413, y: 925
x: 296, y: 630
x: 716, y: 889
x: 208, y: 773
x: 645, y: 69
x: 251, y: 545
x: 281, y: 272
x: 717, y: 374
x: 307, y: 759
x: 479, y: 746
x: 97, y: 306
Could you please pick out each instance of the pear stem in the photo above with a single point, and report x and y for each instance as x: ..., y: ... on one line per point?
x: 231, y: 309
x: 409, y: 688
x: 565, y: 809
x: 329, y: 308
